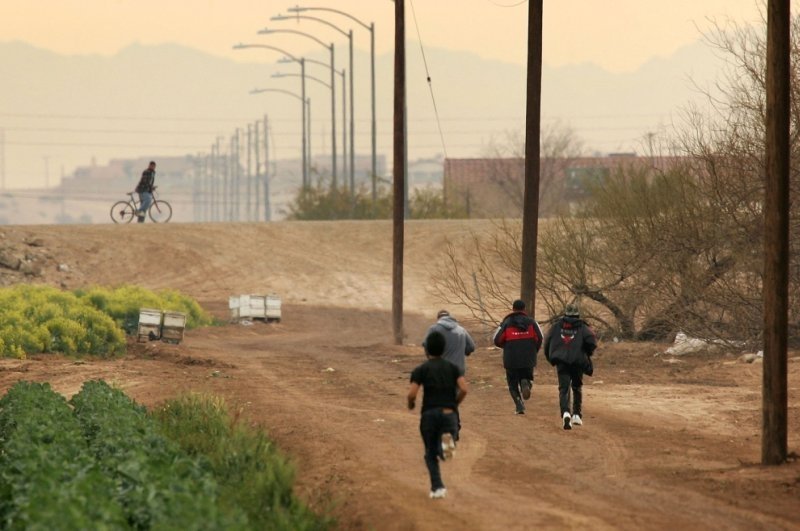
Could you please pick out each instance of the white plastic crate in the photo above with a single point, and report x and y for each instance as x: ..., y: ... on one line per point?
x: 273, y: 308
x: 266, y: 307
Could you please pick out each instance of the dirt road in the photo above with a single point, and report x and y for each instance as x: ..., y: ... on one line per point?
x: 667, y: 443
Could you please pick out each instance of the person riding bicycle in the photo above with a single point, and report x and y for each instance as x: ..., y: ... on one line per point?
x: 145, y: 190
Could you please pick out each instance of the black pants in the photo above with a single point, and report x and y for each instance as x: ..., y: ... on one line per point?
x: 570, y: 376
x: 432, y: 424
x: 513, y: 378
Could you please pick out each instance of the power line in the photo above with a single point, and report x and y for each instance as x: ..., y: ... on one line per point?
x: 106, y: 131
x: 428, y: 76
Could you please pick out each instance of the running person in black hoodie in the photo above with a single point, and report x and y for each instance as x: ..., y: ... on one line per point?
x: 443, y: 390
x: 520, y: 338
x: 569, y: 346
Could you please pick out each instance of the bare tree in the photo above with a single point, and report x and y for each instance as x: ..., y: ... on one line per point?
x: 672, y: 245
x: 505, y: 160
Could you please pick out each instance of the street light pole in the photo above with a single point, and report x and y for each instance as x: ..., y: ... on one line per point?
x: 305, y: 132
x: 349, y: 35
x: 330, y: 46
x: 371, y: 29
x: 343, y: 74
x: 306, y: 103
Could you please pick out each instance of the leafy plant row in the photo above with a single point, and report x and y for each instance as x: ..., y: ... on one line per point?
x: 249, y: 469
x: 100, y: 461
x: 157, y: 484
x: 36, y: 319
x: 48, y: 477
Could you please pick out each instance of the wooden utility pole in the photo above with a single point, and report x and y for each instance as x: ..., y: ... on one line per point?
x: 249, y: 177
x: 257, y: 190
x: 399, y: 168
x: 267, y: 204
x: 237, y: 194
x: 530, y: 212
x: 776, y: 236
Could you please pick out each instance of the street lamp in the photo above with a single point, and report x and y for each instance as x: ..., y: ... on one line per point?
x: 371, y: 29
x: 305, y: 124
x: 349, y: 35
x: 302, y: 97
x: 330, y: 46
x: 343, y: 74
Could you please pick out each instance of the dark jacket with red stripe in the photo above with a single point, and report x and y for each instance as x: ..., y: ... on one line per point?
x: 570, y: 340
x: 520, y: 338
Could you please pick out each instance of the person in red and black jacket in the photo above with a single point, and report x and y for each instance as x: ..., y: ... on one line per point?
x: 520, y: 338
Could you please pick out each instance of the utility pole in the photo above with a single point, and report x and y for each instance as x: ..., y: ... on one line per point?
x: 226, y: 190
x: 207, y: 187
x: 399, y: 168
x: 249, y: 169
x: 530, y: 215
x: 267, y: 207
x: 374, y: 135
x: 345, y: 169
x: 237, y: 190
x: 776, y: 239
x: 215, y: 182
x: 352, y: 124
x: 195, y: 188
x: 257, y: 190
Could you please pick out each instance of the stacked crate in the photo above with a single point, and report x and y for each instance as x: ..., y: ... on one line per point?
x: 165, y: 325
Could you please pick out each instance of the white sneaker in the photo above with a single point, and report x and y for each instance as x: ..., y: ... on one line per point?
x: 576, y: 420
x: 438, y: 493
x: 567, y: 420
x: 448, y: 446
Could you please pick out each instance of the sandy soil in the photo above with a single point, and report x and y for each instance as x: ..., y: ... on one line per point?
x: 667, y: 443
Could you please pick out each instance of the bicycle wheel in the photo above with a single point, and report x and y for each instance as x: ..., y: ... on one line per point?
x: 123, y: 212
x: 160, y: 211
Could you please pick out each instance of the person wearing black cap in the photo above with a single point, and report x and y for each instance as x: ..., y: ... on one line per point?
x: 520, y: 338
x: 569, y: 346
x: 443, y: 390
x: 145, y: 190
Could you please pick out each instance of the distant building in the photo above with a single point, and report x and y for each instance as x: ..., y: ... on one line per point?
x: 493, y: 187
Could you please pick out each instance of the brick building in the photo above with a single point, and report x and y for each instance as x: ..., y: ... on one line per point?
x: 490, y: 188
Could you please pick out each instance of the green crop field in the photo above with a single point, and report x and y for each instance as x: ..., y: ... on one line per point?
x: 101, y: 461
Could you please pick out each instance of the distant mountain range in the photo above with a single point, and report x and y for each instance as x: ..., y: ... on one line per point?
x: 58, y: 112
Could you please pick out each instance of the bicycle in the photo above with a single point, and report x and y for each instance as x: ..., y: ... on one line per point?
x: 125, y: 211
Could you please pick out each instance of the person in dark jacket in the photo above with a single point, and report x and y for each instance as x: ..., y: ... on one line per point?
x: 444, y: 388
x: 569, y: 346
x: 520, y: 338
x: 145, y: 190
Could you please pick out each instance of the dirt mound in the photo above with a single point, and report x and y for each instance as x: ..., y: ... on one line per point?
x: 666, y: 442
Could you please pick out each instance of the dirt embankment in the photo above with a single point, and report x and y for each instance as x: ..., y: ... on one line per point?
x: 667, y: 442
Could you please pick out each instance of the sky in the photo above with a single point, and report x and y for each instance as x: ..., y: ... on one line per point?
x: 618, y: 35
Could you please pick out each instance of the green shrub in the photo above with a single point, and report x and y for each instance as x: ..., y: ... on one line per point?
x: 48, y: 478
x: 252, y: 474
x: 36, y: 319
x: 123, y: 305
